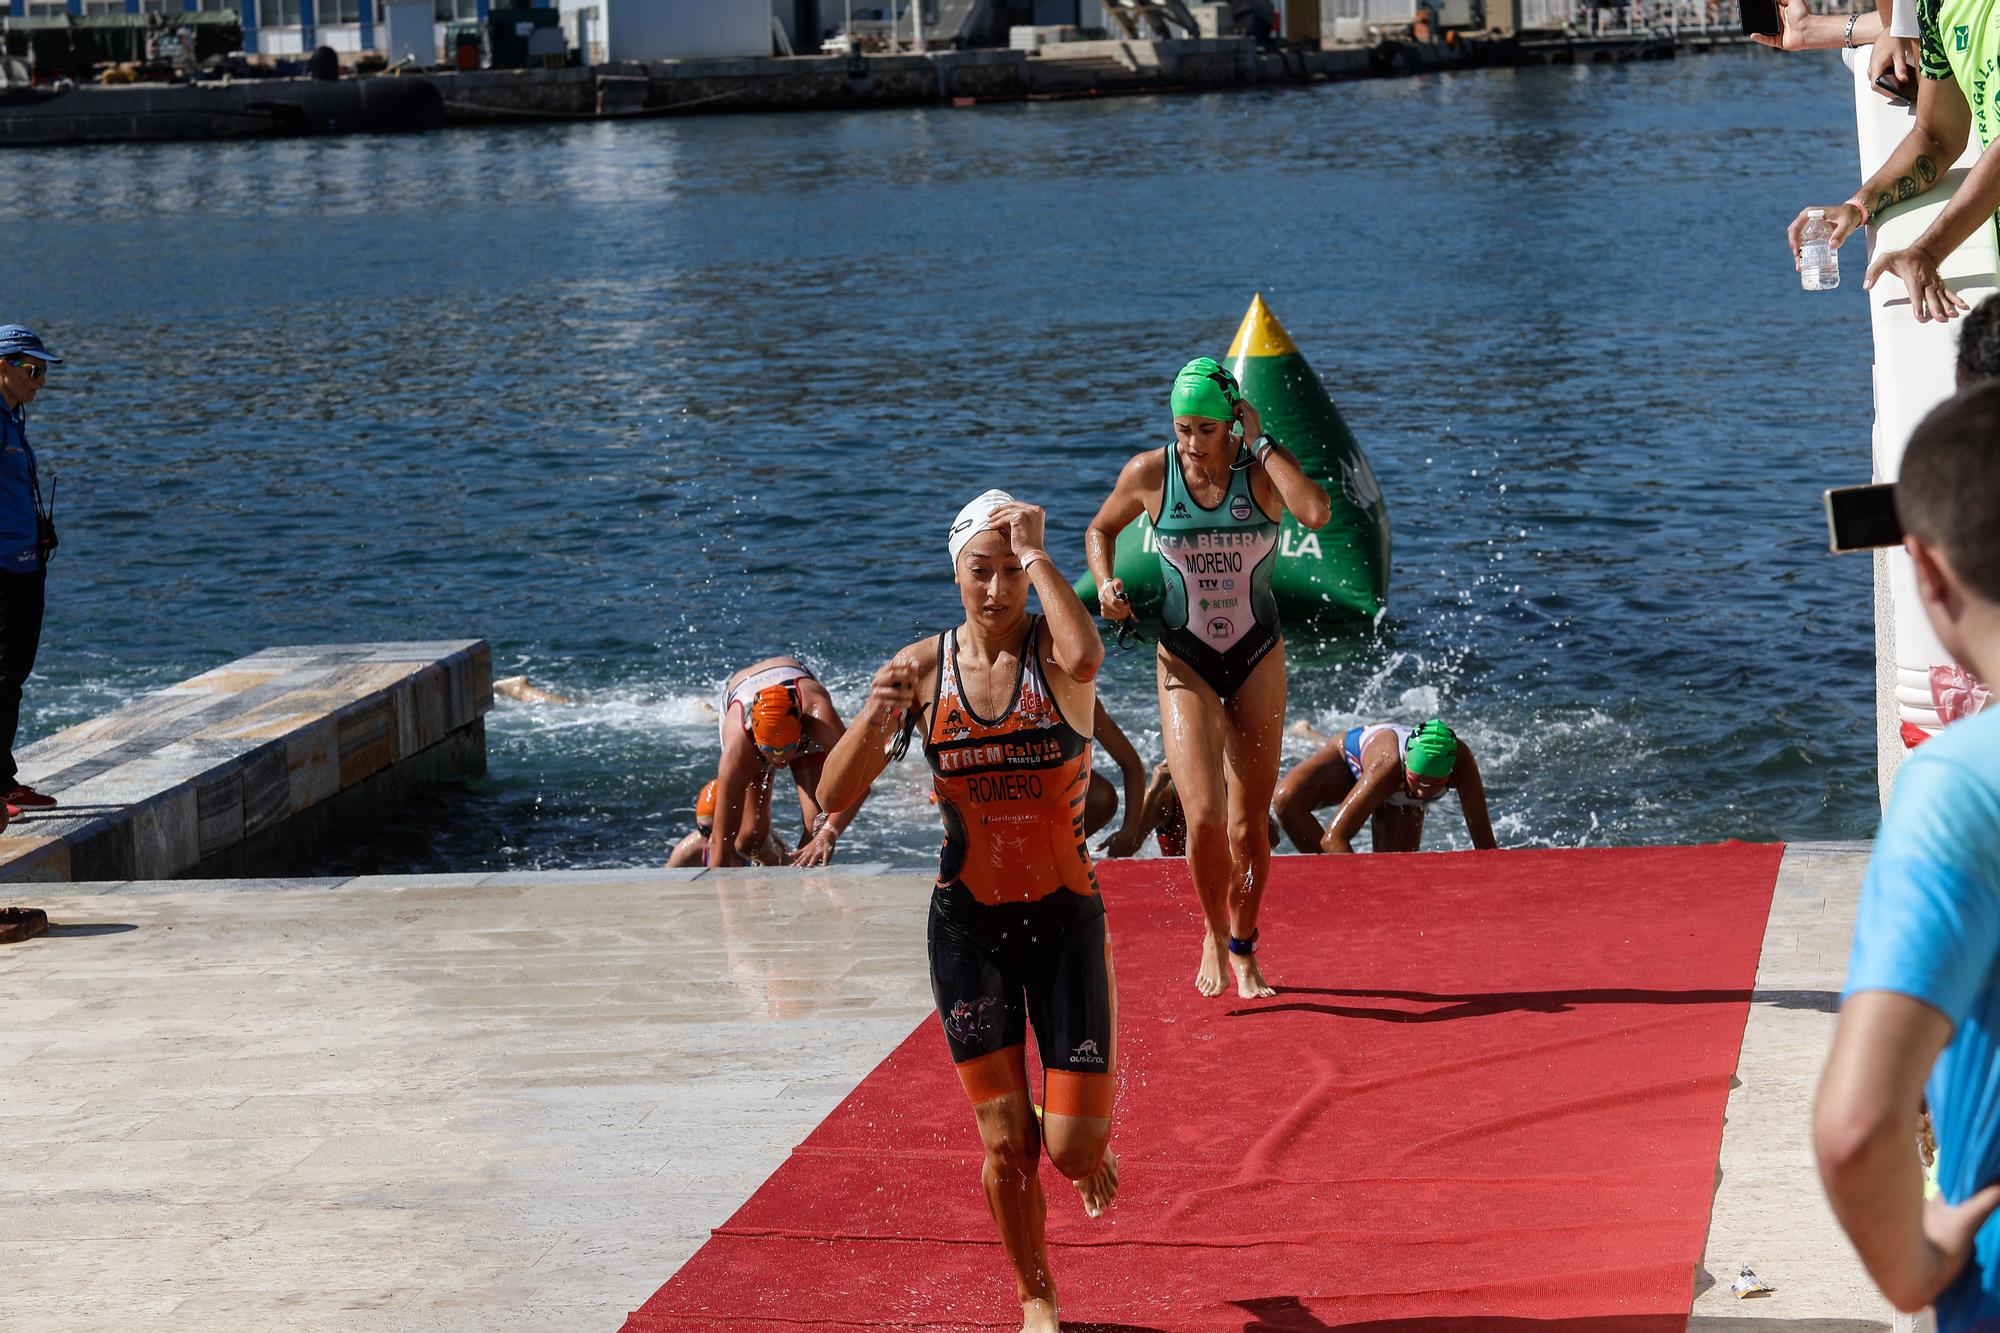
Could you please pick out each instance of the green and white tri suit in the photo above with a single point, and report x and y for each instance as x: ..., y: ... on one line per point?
x: 1215, y: 565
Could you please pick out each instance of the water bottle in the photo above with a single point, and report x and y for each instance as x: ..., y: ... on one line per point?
x: 1819, y: 262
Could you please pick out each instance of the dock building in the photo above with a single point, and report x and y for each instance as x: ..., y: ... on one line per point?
x: 609, y: 29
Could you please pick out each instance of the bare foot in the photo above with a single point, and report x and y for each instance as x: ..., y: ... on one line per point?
x: 1100, y: 1187
x: 1250, y: 983
x: 1209, y: 980
x: 1039, y: 1316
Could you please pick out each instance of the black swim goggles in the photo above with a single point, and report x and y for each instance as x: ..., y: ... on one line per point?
x: 911, y: 720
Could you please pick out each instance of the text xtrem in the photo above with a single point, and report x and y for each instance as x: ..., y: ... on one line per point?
x: 1011, y: 752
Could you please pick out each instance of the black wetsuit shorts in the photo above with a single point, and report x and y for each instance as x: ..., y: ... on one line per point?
x: 997, y: 969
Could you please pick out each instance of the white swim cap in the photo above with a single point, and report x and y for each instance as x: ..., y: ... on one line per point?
x: 972, y: 520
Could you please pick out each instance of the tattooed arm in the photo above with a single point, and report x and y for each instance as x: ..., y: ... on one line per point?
x: 1946, y: 126
x: 1943, y: 124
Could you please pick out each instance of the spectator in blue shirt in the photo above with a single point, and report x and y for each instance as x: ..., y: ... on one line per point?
x: 1921, y: 1011
x: 25, y: 542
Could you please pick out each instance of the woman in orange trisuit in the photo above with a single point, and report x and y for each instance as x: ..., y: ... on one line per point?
x: 1004, y: 705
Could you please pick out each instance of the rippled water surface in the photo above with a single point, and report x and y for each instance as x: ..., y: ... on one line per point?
x: 642, y: 402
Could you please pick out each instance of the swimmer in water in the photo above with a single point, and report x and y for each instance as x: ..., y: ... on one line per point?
x: 1017, y: 930
x: 692, y: 850
x: 1384, y: 776
x: 520, y: 687
x: 1216, y: 494
x: 773, y: 715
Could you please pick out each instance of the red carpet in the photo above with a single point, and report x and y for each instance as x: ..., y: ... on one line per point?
x: 1489, y: 1099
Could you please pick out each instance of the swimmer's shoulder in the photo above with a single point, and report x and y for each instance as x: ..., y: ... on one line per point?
x: 923, y: 655
x: 1382, y: 752
x: 1146, y: 469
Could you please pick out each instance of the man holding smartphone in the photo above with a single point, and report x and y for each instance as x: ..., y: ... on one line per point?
x: 1921, y: 1009
x: 1958, y: 50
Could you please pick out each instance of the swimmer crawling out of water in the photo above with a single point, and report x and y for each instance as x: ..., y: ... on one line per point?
x: 1216, y: 494
x: 1384, y: 776
x: 1017, y: 929
x: 525, y: 690
x: 773, y: 714
x: 692, y: 850
x: 1102, y: 801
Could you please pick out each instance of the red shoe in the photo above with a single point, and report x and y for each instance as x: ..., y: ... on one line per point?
x: 29, y: 799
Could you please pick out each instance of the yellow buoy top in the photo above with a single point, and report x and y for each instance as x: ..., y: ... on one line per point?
x: 1261, y: 334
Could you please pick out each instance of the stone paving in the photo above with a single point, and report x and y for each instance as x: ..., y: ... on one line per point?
x: 520, y: 1101
x: 195, y: 771
x: 486, y: 1102
x: 1769, y: 1212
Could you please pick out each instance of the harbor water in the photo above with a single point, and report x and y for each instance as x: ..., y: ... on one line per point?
x: 641, y: 402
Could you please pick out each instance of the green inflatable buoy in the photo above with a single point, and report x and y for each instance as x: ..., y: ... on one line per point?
x: 1343, y: 569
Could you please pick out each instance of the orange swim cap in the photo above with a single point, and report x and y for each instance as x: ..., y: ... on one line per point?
x: 774, y: 721
x: 704, y: 804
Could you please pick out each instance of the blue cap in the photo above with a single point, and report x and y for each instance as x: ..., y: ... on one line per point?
x: 20, y: 340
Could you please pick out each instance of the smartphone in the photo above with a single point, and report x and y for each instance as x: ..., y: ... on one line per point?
x: 1860, y: 518
x: 1760, y: 16
x: 1901, y: 94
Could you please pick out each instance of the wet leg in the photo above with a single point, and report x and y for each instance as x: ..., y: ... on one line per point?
x: 1012, y: 1179
x: 1252, y: 741
x: 1080, y: 1147
x: 1191, y: 726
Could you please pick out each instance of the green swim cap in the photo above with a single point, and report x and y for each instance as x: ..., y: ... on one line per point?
x: 1205, y: 388
x: 1432, y: 751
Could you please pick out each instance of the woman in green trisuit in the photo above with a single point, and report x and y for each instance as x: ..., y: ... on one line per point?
x: 1216, y: 494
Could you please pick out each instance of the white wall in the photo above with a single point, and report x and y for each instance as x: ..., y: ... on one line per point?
x: 583, y: 27
x: 686, y: 29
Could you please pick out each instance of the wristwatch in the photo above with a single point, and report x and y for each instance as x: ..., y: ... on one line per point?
x: 1262, y: 446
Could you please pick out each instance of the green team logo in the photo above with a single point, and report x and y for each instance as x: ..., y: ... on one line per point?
x: 1961, y: 37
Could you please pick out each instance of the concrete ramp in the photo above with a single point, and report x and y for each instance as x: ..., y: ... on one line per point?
x: 249, y: 767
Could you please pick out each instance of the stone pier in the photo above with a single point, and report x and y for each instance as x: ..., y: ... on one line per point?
x: 251, y: 767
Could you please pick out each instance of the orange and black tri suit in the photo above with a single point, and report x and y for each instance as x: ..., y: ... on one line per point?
x: 1016, y: 926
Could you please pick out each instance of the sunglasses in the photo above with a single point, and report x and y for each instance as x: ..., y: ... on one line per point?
x: 36, y: 370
